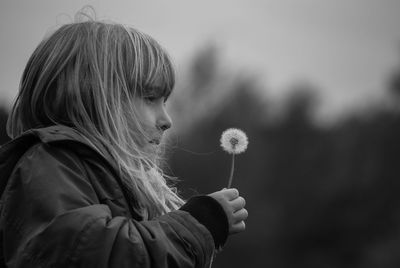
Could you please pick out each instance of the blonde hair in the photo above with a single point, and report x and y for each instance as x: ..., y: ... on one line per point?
x: 85, y: 75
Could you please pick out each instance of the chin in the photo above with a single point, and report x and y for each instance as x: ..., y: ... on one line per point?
x: 151, y: 151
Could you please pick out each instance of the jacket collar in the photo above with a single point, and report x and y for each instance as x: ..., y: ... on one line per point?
x: 56, y: 133
x: 62, y: 133
x: 12, y: 151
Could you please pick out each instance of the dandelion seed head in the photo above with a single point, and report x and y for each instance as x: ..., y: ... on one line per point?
x: 234, y: 141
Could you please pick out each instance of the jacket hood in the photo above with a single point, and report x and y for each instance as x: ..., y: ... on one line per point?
x: 11, y: 152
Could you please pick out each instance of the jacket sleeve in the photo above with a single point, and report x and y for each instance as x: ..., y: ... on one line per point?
x: 52, y: 218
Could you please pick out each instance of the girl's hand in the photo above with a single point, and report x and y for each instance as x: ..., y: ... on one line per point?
x: 233, y: 205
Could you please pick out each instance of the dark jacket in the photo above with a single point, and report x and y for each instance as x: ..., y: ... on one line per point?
x: 63, y: 205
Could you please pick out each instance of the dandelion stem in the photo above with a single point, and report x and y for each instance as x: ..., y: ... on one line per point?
x: 232, y: 168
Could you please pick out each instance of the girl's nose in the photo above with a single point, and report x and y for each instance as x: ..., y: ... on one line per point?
x: 164, y: 121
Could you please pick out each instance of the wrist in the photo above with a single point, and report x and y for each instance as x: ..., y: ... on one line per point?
x: 210, y: 213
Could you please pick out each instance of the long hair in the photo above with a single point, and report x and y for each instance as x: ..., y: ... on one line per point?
x: 85, y: 75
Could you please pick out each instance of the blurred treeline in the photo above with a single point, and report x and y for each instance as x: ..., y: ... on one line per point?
x: 317, y: 195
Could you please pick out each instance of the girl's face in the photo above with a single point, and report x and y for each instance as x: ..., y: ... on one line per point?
x: 154, y: 119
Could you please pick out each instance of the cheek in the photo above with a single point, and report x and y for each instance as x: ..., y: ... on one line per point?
x: 146, y: 117
x: 143, y: 125
x: 141, y: 113
x: 144, y: 121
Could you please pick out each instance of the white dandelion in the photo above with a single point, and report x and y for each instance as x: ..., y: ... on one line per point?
x: 233, y: 141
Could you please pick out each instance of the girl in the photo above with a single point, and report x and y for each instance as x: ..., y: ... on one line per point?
x: 80, y: 184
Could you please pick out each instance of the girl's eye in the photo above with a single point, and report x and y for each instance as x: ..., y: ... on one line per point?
x: 150, y: 99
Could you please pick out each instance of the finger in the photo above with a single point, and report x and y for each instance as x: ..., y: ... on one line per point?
x: 238, y: 227
x: 240, y: 215
x: 231, y: 193
x: 238, y: 203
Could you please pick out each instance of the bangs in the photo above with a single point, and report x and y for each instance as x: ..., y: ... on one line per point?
x: 160, y: 82
x: 152, y: 73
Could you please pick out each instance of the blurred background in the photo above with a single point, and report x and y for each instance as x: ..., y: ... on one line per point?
x: 315, y: 84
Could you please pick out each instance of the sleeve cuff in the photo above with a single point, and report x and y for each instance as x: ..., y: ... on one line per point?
x: 210, y: 213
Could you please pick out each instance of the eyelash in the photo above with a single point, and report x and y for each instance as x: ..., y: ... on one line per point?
x: 152, y: 99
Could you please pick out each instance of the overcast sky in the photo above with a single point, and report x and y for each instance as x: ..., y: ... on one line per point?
x: 346, y: 47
